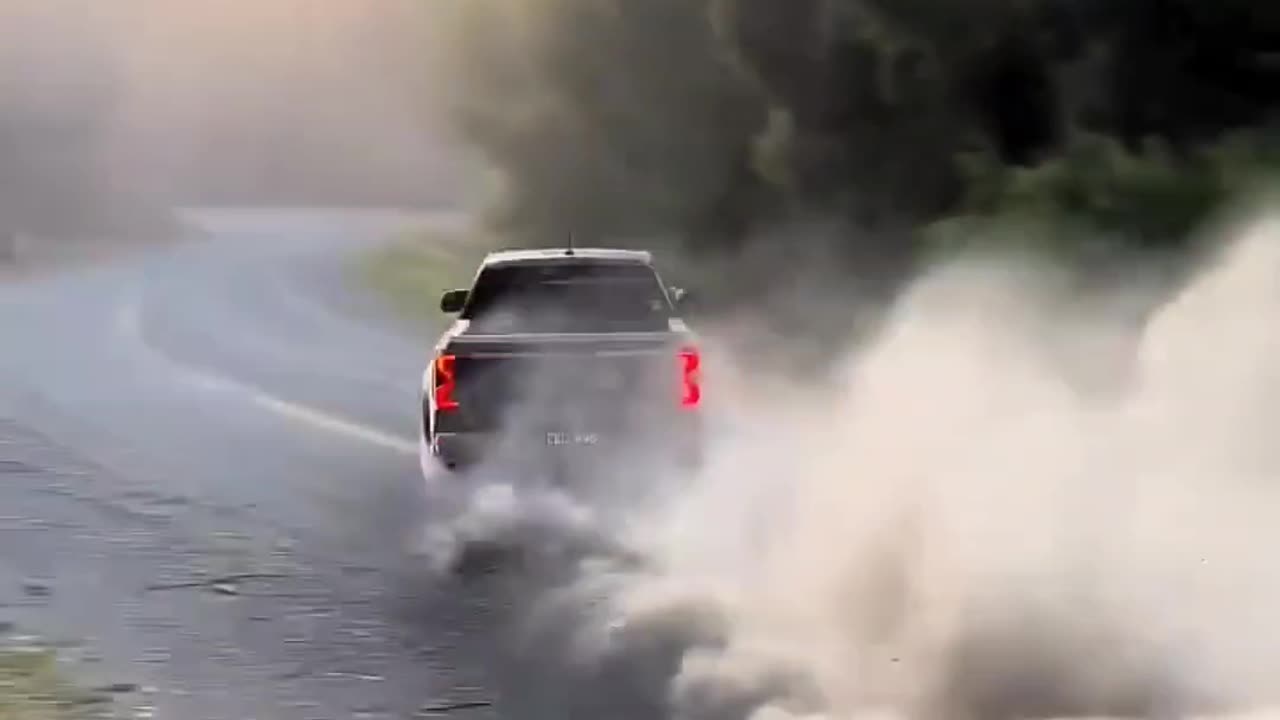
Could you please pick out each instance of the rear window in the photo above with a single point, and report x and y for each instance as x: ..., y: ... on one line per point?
x: 567, y: 297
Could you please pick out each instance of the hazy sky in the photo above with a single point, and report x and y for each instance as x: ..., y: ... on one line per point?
x: 243, y: 97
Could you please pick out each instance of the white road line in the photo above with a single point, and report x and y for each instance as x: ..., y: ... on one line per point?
x: 129, y: 324
x: 331, y: 423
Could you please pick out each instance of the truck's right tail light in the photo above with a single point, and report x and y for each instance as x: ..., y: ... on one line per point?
x: 445, y: 383
x: 690, y: 376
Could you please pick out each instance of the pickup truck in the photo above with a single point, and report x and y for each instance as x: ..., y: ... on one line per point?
x: 558, y: 354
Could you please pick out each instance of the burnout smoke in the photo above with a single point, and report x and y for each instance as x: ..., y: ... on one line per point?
x: 967, y: 523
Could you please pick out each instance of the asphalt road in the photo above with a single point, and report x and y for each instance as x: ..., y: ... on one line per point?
x: 210, y: 491
x: 234, y: 409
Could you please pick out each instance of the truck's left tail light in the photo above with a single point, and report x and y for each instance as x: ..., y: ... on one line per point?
x: 691, y: 377
x: 445, y: 382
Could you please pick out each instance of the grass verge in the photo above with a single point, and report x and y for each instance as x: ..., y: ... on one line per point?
x: 412, y: 270
x: 32, y: 687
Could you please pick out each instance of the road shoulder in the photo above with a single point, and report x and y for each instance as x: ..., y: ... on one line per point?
x: 181, y: 602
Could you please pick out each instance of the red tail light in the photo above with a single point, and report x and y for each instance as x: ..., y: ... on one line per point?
x: 444, y: 383
x: 690, y: 366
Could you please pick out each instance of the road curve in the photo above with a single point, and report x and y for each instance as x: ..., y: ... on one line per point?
x: 237, y: 386
x: 243, y: 368
x: 209, y: 481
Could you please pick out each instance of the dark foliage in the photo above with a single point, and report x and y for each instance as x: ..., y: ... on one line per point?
x: 708, y: 119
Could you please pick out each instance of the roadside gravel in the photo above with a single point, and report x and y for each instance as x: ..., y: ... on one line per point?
x: 203, y: 612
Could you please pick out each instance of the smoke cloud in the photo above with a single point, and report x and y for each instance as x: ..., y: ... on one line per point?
x: 1016, y: 500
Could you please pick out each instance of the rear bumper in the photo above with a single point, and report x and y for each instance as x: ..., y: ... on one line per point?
x: 462, y: 450
x: 455, y: 450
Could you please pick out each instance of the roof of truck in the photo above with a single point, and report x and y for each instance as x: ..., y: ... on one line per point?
x: 502, y: 257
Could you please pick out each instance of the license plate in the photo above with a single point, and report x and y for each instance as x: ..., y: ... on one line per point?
x: 562, y: 439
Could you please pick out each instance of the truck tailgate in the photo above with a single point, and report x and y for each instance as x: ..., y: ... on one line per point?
x: 596, y: 383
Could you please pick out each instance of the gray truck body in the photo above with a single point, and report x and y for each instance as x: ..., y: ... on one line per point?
x: 560, y: 354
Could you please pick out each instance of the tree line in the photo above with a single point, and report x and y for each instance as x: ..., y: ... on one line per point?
x: 713, y: 120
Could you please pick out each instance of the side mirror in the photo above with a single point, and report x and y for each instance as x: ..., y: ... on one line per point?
x: 452, y: 301
x: 679, y: 296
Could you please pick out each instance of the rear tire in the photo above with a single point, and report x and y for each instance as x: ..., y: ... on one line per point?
x: 455, y: 466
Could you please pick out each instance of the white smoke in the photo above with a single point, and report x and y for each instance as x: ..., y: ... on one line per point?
x: 1015, y: 502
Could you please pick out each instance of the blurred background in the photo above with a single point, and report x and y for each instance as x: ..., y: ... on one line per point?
x: 111, y: 113
x: 884, y: 129
x: 865, y: 134
x: 846, y: 140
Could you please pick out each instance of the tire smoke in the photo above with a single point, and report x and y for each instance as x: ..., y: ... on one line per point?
x: 1015, y: 501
